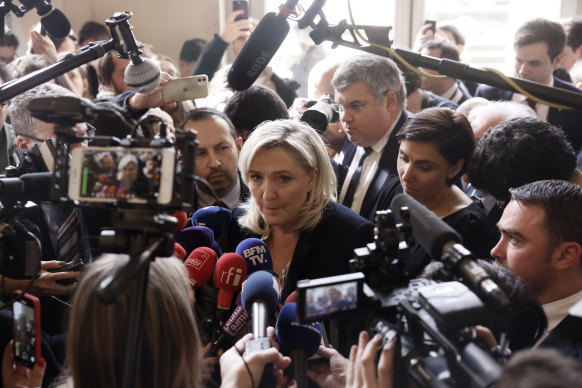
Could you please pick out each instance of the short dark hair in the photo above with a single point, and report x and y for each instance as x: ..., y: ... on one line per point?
x: 457, y: 36
x: 5, y: 75
x: 573, y: 30
x: 447, y: 50
x: 208, y: 113
x: 540, y: 368
x: 251, y: 107
x: 9, y: 40
x: 562, y: 204
x: 106, y: 67
x: 191, y: 49
x: 520, y: 151
x: 542, y: 30
x: 448, y: 129
x: 94, y: 32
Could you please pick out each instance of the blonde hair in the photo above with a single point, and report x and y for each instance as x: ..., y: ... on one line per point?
x: 170, y: 351
x: 308, y: 149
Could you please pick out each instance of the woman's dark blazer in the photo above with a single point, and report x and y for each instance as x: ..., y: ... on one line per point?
x: 321, y: 252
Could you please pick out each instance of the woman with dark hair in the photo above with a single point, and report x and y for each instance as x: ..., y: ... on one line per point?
x: 435, y: 148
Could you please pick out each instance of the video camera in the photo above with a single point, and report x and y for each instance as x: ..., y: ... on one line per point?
x: 320, y: 113
x: 433, y: 319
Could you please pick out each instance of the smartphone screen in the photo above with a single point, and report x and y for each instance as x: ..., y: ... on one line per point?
x: 110, y: 174
x: 26, y: 331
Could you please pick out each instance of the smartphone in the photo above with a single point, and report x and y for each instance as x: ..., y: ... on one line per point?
x: 26, y: 330
x: 111, y: 174
x: 432, y: 29
x: 329, y: 298
x: 187, y: 88
x: 241, y: 4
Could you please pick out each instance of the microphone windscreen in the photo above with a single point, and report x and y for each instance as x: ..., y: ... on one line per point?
x: 143, y: 78
x: 56, y: 23
x: 258, y: 51
x: 200, y: 266
x: 431, y: 232
x: 292, y: 298
x: 214, y: 217
x: 216, y: 248
x: 194, y: 237
x: 262, y: 286
x: 256, y: 254
x: 179, y: 252
x: 293, y: 335
x: 182, y: 218
x: 229, y: 274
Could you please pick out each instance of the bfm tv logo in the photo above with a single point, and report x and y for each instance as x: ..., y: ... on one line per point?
x: 232, y: 271
x: 255, y: 254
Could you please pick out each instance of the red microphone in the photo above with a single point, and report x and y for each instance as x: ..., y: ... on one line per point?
x: 230, y: 272
x: 179, y: 251
x: 200, y: 264
x: 182, y: 218
x: 292, y: 298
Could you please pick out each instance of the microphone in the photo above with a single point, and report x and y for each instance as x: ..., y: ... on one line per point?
x: 292, y: 298
x: 297, y: 340
x: 200, y: 265
x: 256, y: 255
x: 194, y: 237
x: 260, y: 297
x: 182, y: 218
x: 262, y: 45
x: 443, y: 244
x: 217, y: 219
x: 230, y: 271
x: 237, y: 320
x: 52, y: 19
x: 179, y: 252
x: 142, y: 75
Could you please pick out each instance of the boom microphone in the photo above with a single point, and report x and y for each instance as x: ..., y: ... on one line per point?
x: 52, y: 19
x: 256, y: 254
x: 299, y: 341
x: 262, y: 45
x: 443, y: 244
x: 200, y: 264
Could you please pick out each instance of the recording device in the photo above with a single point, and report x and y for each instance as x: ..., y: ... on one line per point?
x: 256, y: 255
x: 26, y: 330
x: 430, y: 318
x: 320, y: 113
x: 200, y: 266
x: 262, y: 45
x: 132, y: 175
x: 432, y: 29
x: 187, y: 88
x: 241, y: 4
x: 193, y: 237
x: 52, y: 19
x: 230, y: 271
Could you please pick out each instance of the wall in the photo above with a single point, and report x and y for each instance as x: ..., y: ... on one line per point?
x: 163, y: 24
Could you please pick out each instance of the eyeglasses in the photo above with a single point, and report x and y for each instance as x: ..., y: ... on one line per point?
x: 88, y: 135
x: 356, y: 106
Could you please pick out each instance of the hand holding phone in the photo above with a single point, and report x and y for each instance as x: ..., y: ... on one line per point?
x: 26, y: 330
x: 187, y: 88
x: 432, y: 29
x: 241, y: 4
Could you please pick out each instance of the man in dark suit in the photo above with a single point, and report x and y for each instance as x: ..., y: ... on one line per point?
x: 449, y: 88
x: 539, y: 46
x: 371, y: 96
x: 541, y: 242
x: 216, y: 158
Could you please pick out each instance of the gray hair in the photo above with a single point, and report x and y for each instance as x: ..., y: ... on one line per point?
x: 22, y: 120
x: 309, y: 151
x: 380, y: 75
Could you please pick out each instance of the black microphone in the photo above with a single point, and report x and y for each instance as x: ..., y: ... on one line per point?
x: 443, y: 244
x: 142, y: 74
x: 262, y: 45
x: 55, y: 21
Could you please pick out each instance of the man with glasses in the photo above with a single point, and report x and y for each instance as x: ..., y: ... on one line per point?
x: 371, y: 97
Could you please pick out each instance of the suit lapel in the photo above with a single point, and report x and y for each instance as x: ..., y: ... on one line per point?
x: 297, y: 263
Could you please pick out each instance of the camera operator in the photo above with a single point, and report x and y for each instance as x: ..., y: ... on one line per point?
x: 169, y: 357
